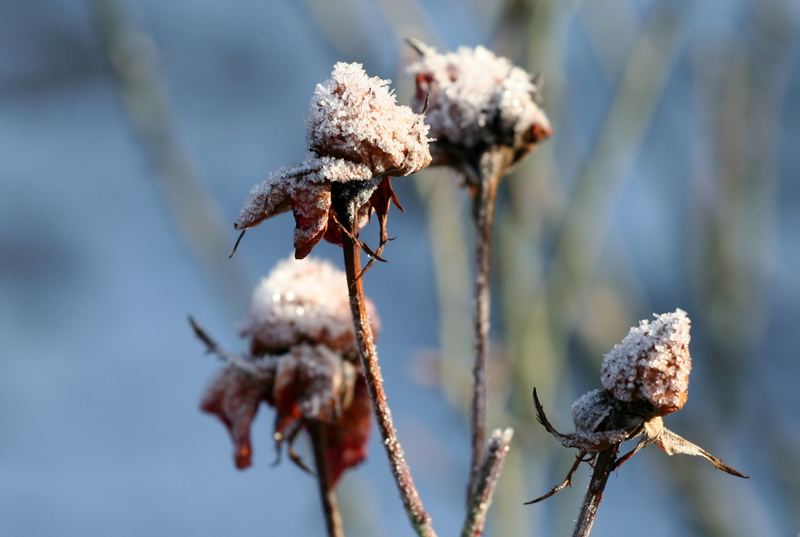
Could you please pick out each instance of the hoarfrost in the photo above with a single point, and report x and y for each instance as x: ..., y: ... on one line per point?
x: 652, y: 363
x: 475, y: 98
x: 303, y: 301
x: 356, y: 117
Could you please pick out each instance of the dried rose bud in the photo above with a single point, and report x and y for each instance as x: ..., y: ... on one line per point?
x: 301, y: 363
x: 652, y: 363
x: 477, y: 100
x: 355, y: 117
x: 303, y: 301
x: 358, y: 135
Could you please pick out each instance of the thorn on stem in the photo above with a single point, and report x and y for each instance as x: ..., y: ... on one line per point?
x: 236, y: 244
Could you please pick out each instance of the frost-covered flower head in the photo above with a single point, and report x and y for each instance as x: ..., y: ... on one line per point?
x: 644, y: 377
x: 300, y: 362
x: 357, y: 136
x: 652, y: 363
x: 356, y: 118
x: 303, y: 301
x: 476, y: 100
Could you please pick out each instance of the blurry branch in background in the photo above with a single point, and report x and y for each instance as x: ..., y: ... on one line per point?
x: 133, y: 58
x: 486, y: 482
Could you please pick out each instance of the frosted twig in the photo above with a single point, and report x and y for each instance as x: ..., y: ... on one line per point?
x: 486, y: 178
x: 594, y: 494
x: 488, y: 475
x: 419, y: 518
x: 330, y: 504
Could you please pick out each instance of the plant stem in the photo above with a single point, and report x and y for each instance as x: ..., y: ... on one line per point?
x: 487, y: 482
x: 591, y: 502
x: 484, y: 179
x: 330, y: 505
x: 419, y: 518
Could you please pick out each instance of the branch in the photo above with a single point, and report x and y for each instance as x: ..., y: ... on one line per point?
x: 419, y: 518
x: 330, y: 505
x: 483, y: 180
x: 486, y: 482
x: 594, y: 494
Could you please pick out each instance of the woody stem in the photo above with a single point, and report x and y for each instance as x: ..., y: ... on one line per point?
x: 487, y: 483
x: 330, y: 504
x: 591, y: 502
x: 484, y: 178
x: 419, y: 518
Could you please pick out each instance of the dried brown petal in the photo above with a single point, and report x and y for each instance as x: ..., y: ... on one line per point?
x: 233, y: 396
x: 348, y: 438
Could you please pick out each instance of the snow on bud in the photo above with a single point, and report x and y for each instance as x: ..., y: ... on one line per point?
x: 652, y: 363
x: 476, y: 99
x: 303, y: 301
x: 355, y: 117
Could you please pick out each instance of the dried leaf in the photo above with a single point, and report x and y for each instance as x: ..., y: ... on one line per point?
x: 673, y: 444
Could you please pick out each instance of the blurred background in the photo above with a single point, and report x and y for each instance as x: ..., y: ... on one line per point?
x: 131, y: 131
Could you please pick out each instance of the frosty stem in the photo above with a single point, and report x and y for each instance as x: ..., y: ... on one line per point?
x: 330, y: 504
x: 487, y: 482
x: 591, y: 502
x: 419, y: 518
x: 483, y: 178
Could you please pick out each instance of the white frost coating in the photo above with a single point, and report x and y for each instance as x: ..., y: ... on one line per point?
x: 652, y: 363
x: 280, y: 191
x: 356, y: 117
x: 303, y: 301
x: 476, y: 98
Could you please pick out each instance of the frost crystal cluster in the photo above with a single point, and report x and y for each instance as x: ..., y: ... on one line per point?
x: 652, y: 363
x: 356, y: 118
x: 357, y: 133
x: 476, y: 99
x: 303, y: 301
x: 300, y: 362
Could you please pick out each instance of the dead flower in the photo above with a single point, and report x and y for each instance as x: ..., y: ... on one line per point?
x: 475, y: 102
x: 358, y: 136
x: 645, y: 377
x: 301, y: 362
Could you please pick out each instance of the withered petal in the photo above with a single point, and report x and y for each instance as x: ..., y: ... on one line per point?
x: 311, y: 204
x: 266, y: 200
x: 347, y: 439
x: 234, y: 397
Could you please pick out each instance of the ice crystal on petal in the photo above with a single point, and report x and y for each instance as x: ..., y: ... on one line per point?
x: 302, y: 301
x: 652, y: 363
x: 355, y: 117
x: 476, y: 99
